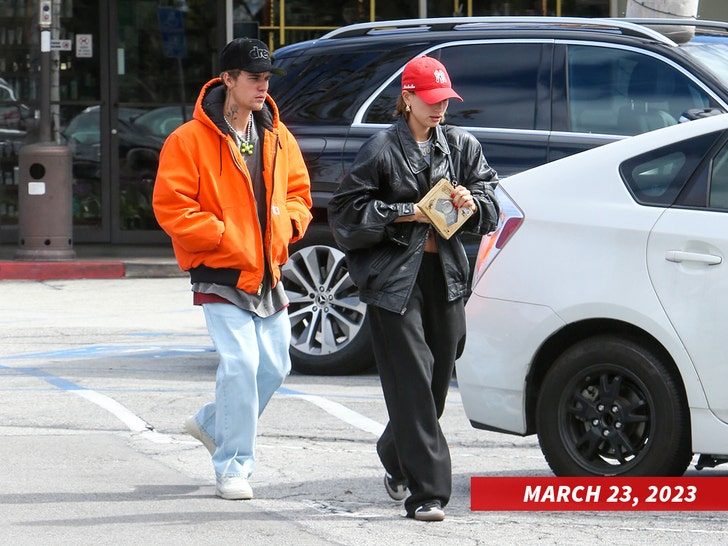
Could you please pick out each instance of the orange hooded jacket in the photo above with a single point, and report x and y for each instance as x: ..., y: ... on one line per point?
x: 203, y: 197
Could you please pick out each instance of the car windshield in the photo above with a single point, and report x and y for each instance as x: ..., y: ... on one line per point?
x: 85, y: 127
x: 160, y: 122
x: 711, y: 52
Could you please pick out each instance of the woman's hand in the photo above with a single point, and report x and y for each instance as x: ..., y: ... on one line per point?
x: 462, y: 198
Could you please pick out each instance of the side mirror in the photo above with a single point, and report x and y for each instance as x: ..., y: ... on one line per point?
x: 699, y: 113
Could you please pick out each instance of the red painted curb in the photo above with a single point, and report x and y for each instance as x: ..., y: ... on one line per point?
x: 61, y: 270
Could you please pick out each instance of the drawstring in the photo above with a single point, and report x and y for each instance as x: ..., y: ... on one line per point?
x: 220, y: 158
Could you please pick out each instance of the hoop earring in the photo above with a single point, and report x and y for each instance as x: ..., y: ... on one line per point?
x: 407, y: 108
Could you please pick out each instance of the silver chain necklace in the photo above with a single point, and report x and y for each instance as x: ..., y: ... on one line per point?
x: 246, y: 141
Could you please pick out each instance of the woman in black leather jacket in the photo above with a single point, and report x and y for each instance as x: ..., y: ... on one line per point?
x: 414, y: 280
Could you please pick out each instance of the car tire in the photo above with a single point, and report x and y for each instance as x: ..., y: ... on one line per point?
x: 611, y: 407
x: 329, y: 325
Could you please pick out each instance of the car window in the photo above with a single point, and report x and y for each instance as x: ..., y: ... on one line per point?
x: 160, y: 122
x: 657, y: 177
x: 382, y: 108
x: 495, y: 94
x: 621, y: 92
x: 328, y: 89
x: 718, y: 194
x: 712, y: 52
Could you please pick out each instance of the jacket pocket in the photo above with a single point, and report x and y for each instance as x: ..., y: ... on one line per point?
x: 400, y: 233
x: 241, y: 246
x: 383, y: 256
x: 281, y: 234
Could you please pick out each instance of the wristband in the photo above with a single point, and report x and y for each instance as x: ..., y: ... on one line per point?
x: 405, y: 209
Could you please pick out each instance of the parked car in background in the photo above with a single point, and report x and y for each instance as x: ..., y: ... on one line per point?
x: 14, y: 115
x: 535, y: 90
x: 141, y: 135
x: 137, y: 128
x: 600, y: 305
x: 160, y: 122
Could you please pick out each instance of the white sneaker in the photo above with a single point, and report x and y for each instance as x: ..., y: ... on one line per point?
x: 233, y: 488
x: 430, y: 511
x: 194, y: 430
x: 395, y: 488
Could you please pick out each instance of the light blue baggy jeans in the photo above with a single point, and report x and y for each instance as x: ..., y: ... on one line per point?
x: 253, y: 362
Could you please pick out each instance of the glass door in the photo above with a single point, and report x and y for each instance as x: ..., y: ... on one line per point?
x: 129, y: 75
x: 161, y: 54
x: 76, y: 107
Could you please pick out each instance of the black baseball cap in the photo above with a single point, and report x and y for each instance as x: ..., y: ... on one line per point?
x: 249, y: 55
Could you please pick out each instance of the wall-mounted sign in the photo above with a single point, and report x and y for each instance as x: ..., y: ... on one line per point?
x: 84, y: 45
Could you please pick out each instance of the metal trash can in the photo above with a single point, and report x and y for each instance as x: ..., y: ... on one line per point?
x: 45, y: 202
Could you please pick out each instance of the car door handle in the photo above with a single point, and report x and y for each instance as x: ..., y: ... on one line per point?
x: 679, y: 256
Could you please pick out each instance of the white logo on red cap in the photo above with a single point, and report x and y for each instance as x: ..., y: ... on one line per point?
x: 440, y: 77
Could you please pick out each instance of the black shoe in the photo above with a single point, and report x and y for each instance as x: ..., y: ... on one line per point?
x: 430, y: 511
x: 397, y: 489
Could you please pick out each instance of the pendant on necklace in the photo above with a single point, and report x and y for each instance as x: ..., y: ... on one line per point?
x: 246, y: 147
x: 246, y: 144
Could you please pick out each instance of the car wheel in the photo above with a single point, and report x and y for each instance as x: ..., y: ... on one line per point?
x: 610, y: 407
x: 329, y: 327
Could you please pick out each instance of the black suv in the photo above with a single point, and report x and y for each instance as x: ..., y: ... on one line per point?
x: 535, y: 89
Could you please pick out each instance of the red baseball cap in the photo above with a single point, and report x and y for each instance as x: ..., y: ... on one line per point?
x: 428, y: 78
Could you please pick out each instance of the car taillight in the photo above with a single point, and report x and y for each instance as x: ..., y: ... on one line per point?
x: 511, y: 218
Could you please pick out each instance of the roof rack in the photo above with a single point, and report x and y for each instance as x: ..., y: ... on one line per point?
x: 697, y: 23
x: 630, y: 27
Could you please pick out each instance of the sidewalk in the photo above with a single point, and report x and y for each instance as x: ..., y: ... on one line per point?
x: 94, y: 262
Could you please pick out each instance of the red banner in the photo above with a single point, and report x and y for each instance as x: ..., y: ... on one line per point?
x: 598, y: 494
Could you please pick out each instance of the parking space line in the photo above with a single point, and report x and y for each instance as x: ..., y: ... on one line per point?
x: 124, y: 414
x: 138, y: 425
x: 340, y: 412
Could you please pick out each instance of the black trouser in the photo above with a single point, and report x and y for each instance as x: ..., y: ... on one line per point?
x: 415, y: 354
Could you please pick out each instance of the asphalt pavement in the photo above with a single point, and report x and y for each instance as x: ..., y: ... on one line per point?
x: 98, y: 374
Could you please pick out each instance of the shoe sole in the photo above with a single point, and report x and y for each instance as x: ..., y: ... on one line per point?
x: 429, y: 516
x: 392, y: 493
x: 194, y: 430
x: 234, y: 496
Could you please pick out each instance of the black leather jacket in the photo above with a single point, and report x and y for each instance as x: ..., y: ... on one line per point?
x: 388, y: 176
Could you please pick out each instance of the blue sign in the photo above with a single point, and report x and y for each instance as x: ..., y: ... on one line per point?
x: 171, y: 23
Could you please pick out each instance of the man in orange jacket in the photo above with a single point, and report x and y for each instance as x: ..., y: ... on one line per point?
x: 232, y: 192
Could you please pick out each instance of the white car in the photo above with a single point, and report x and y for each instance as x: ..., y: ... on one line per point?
x: 600, y: 305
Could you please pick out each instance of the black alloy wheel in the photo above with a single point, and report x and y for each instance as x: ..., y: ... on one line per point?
x: 610, y: 407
